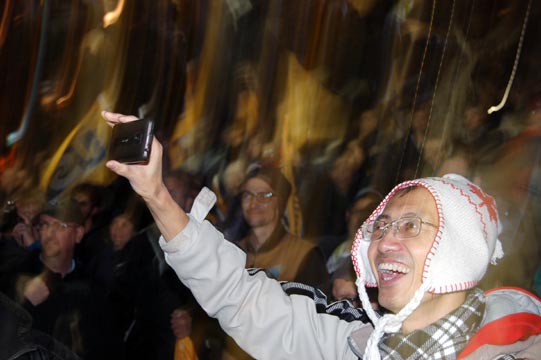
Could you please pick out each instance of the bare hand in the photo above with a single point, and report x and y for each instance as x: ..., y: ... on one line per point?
x: 36, y: 291
x: 24, y: 234
x: 146, y: 180
x: 181, y: 323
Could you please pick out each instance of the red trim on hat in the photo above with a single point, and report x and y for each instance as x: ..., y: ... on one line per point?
x: 359, y: 237
x: 504, y: 331
x: 465, y: 285
x: 355, y: 250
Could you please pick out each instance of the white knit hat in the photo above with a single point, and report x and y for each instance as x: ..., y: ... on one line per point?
x: 465, y: 243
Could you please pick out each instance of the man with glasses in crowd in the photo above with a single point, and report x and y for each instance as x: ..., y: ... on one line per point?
x: 269, y: 245
x: 53, y: 288
x: 425, y: 247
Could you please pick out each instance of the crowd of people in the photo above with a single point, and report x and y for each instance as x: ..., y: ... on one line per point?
x: 89, y: 271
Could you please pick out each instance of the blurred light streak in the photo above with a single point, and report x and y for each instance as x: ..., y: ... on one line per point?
x: 18, y: 134
x: 199, y: 75
x: 440, y: 66
x: 4, y: 24
x: 238, y: 9
x: 515, y: 64
x: 308, y: 114
x: 81, y: 154
x: 363, y: 7
x: 417, y: 86
x: 66, y: 74
x: 112, y: 16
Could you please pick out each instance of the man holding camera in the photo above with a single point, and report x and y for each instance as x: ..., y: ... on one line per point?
x: 426, y: 247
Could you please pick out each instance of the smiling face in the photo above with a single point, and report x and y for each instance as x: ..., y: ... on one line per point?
x: 398, y: 263
x: 260, y: 213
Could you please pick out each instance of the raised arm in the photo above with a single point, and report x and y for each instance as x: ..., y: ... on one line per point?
x: 255, y: 310
x: 146, y: 180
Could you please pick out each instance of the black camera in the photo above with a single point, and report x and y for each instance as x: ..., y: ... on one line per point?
x: 131, y: 142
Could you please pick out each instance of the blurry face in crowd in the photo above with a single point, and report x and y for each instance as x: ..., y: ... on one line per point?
x: 28, y: 209
x: 58, y: 239
x: 178, y: 192
x: 359, y: 212
x: 85, y: 205
x: 259, y: 211
x: 369, y: 121
x: 121, y: 231
x: 398, y: 263
x: 420, y: 117
x: 474, y: 117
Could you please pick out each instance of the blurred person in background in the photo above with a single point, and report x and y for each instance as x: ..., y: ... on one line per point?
x: 19, y: 341
x: 54, y: 289
x: 132, y: 280
x: 28, y: 205
x: 268, y: 245
x: 92, y: 251
x: 339, y: 264
x: 181, y: 324
x: 514, y: 178
x: 482, y: 133
x: 19, y: 233
x: 14, y: 179
x: 402, y: 159
x: 88, y: 198
x: 353, y: 166
x: 19, y: 215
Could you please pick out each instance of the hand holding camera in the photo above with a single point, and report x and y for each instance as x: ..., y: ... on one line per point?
x: 139, y: 163
x: 131, y: 142
x: 146, y: 180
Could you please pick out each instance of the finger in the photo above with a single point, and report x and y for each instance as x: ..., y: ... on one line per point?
x: 24, y: 217
x: 117, y: 167
x: 115, y: 118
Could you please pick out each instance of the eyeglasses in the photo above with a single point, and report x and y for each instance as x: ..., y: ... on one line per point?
x: 260, y: 197
x: 56, y: 225
x: 403, y: 228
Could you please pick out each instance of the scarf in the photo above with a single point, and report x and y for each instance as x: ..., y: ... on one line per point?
x: 443, y: 339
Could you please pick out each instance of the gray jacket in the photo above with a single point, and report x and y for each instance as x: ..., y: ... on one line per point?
x: 270, y: 321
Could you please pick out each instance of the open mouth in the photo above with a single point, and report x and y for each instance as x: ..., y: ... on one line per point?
x: 391, y: 271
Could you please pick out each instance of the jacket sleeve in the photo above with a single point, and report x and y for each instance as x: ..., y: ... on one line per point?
x: 251, y: 308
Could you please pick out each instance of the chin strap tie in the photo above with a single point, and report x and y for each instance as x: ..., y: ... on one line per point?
x: 391, y: 323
